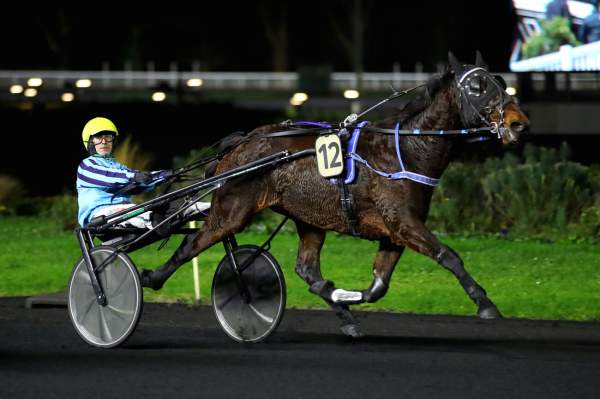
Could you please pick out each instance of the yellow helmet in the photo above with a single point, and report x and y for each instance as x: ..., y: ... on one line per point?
x: 95, y: 126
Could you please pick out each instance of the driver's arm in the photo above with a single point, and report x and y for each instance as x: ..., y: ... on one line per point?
x: 109, y: 175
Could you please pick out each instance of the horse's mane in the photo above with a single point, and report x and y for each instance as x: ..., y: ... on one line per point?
x: 423, y: 97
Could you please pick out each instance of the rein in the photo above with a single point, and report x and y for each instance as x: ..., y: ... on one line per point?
x: 351, y: 122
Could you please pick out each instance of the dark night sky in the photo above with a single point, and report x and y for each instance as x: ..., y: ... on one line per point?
x: 231, y: 35
x: 225, y: 36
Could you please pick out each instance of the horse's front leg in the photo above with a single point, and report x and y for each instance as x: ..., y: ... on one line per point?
x: 417, y: 237
x: 308, y: 267
x: 383, y: 267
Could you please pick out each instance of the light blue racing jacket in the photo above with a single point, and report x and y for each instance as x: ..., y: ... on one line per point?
x: 98, y: 180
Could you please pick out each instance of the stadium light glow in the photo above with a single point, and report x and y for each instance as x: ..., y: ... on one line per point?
x: 67, y: 97
x: 83, y: 83
x: 298, y: 98
x: 35, y: 82
x: 16, y: 89
x: 351, y: 94
x: 30, y: 92
x: 158, y: 96
x: 194, y: 82
x: 511, y: 91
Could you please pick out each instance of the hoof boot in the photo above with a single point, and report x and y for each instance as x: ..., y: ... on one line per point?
x: 147, y: 281
x: 352, y: 330
x: 489, y: 312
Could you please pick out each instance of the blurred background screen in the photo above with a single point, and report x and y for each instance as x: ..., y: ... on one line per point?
x: 556, y: 35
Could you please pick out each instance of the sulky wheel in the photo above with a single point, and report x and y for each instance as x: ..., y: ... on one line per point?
x: 110, y: 325
x: 252, y: 313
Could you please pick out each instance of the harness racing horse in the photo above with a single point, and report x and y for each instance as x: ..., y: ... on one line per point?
x: 390, y: 211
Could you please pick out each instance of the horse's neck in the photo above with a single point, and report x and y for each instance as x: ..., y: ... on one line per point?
x: 429, y: 155
x: 442, y: 113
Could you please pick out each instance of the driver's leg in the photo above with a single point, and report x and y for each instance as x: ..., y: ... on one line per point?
x: 141, y: 221
x: 199, y: 208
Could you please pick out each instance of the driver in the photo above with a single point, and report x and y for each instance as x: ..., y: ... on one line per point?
x: 100, y: 177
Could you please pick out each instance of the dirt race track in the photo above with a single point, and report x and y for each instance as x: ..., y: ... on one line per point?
x: 180, y: 352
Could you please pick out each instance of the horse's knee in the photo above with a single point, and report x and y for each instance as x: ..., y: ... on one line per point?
x: 376, y: 291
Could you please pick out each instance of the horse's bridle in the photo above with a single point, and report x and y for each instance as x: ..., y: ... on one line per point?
x: 481, y: 105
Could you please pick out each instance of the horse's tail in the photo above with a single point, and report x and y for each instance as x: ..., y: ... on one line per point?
x: 224, y: 146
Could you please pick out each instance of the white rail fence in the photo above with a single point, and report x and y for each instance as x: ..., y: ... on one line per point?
x: 568, y: 58
x: 286, y: 81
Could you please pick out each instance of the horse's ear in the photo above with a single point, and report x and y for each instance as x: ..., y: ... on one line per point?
x: 479, y: 60
x: 455, y: 64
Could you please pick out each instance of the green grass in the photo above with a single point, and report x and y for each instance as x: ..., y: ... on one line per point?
x: 524, y: 278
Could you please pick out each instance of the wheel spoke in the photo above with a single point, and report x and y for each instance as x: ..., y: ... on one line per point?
x: 104, y: 326
x: 83, y: 277
x: 120, y: 313
x: 81, y: 316
x: 117, y: 290
x: 261, y: 315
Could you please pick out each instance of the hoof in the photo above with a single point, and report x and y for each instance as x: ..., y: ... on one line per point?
x: 147, y: 281
x: 352, y: 330
x: 489, y: 312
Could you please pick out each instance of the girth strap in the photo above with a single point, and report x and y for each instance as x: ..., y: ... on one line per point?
x: 347, y: 202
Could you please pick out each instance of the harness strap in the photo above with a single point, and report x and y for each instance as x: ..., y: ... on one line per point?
x: 419, y: 132
x: 347, y: 202
x: 327, y: 128
x: 299, y: 132
x: 352, y: 146
x: 402, y: 173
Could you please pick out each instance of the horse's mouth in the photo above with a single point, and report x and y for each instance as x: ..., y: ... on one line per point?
x: 513, y: 132
x: 510, y: 136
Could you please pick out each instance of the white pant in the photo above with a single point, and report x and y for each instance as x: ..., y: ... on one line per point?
x: 142, y: 221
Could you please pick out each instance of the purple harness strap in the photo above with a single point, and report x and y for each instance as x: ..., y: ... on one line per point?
x: 352, y: 144
x: 350, y: 167
x: 401, y: 174
x: 324, y: 125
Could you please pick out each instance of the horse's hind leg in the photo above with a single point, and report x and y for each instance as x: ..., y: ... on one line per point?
x: 214, y: 230
x: 308, y: 267
x: 416, y: 236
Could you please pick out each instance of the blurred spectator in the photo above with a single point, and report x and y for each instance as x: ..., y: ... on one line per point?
x: 590, y: 29
x: 559, y: 8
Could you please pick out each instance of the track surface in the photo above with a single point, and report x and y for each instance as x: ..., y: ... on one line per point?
x: 180, y: 352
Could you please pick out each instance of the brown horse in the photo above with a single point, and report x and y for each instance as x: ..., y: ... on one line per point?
x: 392, y: 212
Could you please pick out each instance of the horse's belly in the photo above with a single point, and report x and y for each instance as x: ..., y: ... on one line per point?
x: 315, y: 200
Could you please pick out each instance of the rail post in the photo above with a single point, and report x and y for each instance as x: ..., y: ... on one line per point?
x: 195, y: 270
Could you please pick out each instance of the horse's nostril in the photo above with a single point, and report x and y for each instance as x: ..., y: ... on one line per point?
x: 517, y: 126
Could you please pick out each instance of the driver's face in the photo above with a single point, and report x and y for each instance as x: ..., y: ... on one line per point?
x: 103, y: 147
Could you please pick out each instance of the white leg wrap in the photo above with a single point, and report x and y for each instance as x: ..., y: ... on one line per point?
x: 342, y: 296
